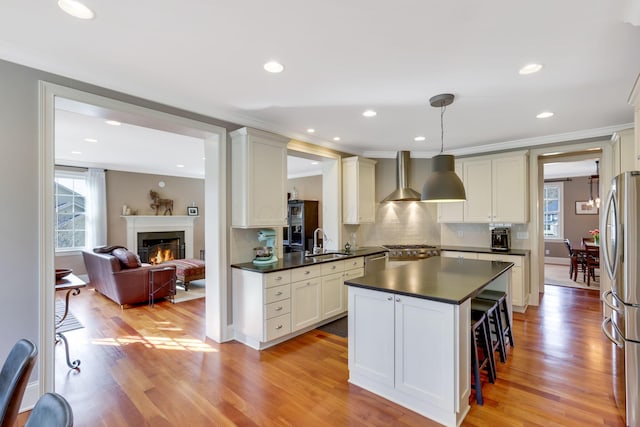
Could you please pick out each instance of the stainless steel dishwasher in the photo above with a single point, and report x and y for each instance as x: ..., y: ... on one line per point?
x: 375, y: 263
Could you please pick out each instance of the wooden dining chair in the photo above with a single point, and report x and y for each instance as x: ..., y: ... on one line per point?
x: 592, y: 262
x: 573, y: 260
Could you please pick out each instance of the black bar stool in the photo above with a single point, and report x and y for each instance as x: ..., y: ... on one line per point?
x: 501, y: 298
x: 492, y: 311
x: 480, y: 338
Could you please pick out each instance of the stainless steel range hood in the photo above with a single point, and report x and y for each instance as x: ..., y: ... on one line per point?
x: 403, y: 193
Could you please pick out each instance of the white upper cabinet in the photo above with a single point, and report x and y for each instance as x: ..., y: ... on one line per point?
x: 358, y: 190
x: 497, y: 189
x: 258, y: 179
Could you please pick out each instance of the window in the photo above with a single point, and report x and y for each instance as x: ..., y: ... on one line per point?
x: 70, y: 203
x: 553, y: 216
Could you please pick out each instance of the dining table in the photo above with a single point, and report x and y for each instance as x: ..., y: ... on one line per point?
x: 71, y: 284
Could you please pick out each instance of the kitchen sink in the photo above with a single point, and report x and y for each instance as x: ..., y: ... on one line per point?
x: 327, y: 256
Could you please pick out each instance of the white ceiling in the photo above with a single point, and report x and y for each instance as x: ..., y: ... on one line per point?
x: 341, y: 58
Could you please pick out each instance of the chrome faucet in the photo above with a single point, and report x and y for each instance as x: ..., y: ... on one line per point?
x: 316, y: 249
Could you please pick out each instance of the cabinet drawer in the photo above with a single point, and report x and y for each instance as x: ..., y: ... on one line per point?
x: 304, y: 273
x: 353, y: 273
x: 277, y: 278
x: 277, y: 327
x: 332, y: 267
x: 277, y: 308
x: 277, y: 293
x: 353, y: 263
x: 516, y: 260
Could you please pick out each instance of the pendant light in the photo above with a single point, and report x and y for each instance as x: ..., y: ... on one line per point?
x: 443, y: 185
x: 595, y: 202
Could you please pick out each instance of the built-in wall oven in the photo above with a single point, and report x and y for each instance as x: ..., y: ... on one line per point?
x: 403, y: 254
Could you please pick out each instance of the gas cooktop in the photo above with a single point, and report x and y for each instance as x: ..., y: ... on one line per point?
x: 411, y: 252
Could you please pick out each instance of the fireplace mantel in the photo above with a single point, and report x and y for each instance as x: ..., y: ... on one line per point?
x: 149, y: 223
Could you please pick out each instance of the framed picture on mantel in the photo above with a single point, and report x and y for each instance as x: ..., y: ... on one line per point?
x: 584, y: 208
x: 192, y: 210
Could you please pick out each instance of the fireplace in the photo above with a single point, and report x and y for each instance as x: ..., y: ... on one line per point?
x: 155, y: 247
x: 137, y: 224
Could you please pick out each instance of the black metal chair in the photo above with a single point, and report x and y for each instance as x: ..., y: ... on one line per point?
x: 13, y: 380
x: 51, y: 410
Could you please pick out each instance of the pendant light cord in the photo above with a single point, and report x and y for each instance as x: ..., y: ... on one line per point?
x: 442, y: 110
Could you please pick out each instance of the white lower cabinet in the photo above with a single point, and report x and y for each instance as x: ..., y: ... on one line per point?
x: 305, y: 298
x: 519, y: 274
x: 271, y: 307
x: 412, y: 351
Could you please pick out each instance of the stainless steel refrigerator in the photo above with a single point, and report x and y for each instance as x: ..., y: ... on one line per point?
x: 620, y: 248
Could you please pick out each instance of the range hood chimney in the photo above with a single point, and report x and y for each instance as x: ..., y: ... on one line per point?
x: 403, y: 193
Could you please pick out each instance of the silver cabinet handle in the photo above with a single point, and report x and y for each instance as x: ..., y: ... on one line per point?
x: 307, y: 272
x: 279, y: 278
x: 389, y: 298
x: 397, y: 299
x: 278, y: 293
x: 279, y: 308
x: 279, y: 327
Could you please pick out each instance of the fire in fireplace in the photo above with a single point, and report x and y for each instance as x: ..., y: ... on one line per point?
x: 158, y: 247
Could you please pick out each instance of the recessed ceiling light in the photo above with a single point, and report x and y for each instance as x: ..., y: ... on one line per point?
x: 76, y: 9
x: 315, y: 163
x: 76, y: 152
x: 311, y: 130
x: 530, y: 69
x: 113, y: 122
x: 274, y: 67
x: 419, y: 138
x: 369, y: 113
x: 179, y: 165
x: 91, y: 140
x: 544, y: 115
x: 336, y: 138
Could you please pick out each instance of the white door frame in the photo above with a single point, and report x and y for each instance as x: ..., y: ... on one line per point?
x: 215, y: 148
x: 536, y: 180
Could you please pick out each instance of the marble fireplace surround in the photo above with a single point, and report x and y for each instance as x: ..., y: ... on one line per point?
x: 150, y: 223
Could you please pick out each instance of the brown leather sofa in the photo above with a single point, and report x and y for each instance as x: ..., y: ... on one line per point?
x: 128, y: 282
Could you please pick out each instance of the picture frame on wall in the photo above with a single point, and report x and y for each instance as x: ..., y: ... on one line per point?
x: 192, y: 210
x: 584, y: 208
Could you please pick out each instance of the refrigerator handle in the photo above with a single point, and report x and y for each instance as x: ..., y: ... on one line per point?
x: 604, y: 247
x: 604, y: 297
x: 605, y: 323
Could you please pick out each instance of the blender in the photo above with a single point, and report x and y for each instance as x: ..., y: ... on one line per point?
x: 266, y: 254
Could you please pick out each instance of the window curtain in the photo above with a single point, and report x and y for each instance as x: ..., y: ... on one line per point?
x: 96, y: 208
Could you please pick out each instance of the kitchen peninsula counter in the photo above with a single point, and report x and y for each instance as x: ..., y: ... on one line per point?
x: 410, y: 332
x: 447, y: 280
x: 298, y: 259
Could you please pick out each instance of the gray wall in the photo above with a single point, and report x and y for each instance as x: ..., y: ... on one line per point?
x: 575, y: 226
x: 19, y: 106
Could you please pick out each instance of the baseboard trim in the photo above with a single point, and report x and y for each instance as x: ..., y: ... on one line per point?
x: 31, y: 396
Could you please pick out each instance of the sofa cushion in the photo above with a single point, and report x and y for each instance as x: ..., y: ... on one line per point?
x: 127, y: 258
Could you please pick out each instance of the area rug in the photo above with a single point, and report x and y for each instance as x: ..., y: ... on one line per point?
x: 558, y: 275
x: 196, y: 290
x: 70, y: 323
x: 337, y: 327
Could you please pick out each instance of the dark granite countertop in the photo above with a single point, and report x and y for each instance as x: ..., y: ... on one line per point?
x: 448, y: 280
x: 297, y: 259
x: 480, y: 250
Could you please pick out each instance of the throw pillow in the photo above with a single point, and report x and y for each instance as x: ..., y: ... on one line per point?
x: 127, y: 258
x: 107, y: 249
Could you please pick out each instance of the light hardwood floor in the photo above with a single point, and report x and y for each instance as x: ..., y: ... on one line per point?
x: 154, y: 366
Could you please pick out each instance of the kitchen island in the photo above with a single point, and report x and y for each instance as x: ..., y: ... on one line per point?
x: 410, y: 336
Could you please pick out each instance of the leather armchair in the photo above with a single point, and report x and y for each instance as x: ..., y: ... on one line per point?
x: 128, y: 285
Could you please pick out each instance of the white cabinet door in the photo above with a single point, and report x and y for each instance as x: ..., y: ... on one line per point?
x: 332, y: 295
x: 510, y: 190
x: 305, y: 303
x: 452, y: 211
x: 258, y: 178
x: 424, y: 357
x: 477, y: 185
x: 358, y: 190
x: 371, y: 330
